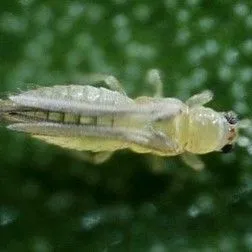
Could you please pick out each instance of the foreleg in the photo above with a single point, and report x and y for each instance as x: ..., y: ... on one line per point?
x: 200, y: 99
x: 193, y: 161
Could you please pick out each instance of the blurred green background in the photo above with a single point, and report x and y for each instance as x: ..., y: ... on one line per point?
x: 51, y: 201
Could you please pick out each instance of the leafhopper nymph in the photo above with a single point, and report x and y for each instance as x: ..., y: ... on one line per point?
x: 103, y: 120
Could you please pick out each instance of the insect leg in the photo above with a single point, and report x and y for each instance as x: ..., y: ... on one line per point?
x: 193, y: 161
x: 109, y: 80
x: 156, y: 163
x: 93, y: 157
x: 153, y: 77
x: 200, y: 99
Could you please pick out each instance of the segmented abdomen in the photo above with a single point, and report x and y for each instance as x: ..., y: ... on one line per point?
x: 62, y: 118
x: 86, y: 94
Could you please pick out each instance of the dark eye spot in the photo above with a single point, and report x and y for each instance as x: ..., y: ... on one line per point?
x: 227, y: 148
x: 231, y: 117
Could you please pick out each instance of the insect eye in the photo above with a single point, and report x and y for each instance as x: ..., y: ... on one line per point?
x: 231, y: 117
x: 227, y: 148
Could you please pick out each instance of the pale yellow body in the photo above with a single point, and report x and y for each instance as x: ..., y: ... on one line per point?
x: 86, y: 118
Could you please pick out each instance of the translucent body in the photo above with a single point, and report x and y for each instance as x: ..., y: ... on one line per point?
x: 87, y: 118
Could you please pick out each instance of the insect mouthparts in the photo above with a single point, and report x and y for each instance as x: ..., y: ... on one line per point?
x: 227, y: 148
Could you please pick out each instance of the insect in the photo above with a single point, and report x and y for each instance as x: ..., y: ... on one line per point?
x: 102, y: 120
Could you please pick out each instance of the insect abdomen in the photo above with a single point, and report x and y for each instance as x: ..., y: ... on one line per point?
x: 60, y: 117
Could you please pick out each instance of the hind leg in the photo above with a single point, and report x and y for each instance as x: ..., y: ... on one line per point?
x: 108, y: 80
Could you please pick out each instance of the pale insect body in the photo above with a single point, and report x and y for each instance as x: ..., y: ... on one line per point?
x: 87, y: 118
